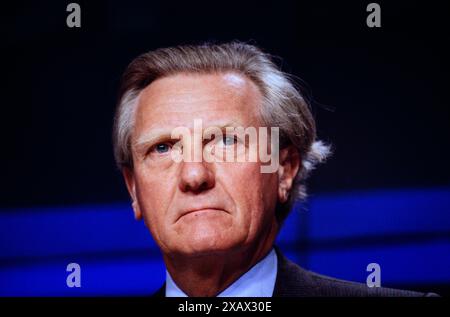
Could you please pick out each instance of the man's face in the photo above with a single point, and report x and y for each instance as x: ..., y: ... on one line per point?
x: 199, y: 208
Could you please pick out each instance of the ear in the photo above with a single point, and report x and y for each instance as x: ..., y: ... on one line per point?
x: 288, y: 169
x: 131, y: 186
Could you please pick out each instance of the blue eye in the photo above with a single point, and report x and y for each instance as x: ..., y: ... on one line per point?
x: 229, y: 140
x: 162, y: 148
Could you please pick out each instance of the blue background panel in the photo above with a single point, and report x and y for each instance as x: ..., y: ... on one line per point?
x: 400, y: 264
x: 406, y: 231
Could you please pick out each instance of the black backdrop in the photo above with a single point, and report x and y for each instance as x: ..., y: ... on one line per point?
x: 381, y: 95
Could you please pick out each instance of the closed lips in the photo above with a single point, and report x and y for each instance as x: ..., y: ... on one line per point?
x: 199, y: 209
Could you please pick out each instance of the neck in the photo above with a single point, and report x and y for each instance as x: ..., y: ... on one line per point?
x: 208, y: 275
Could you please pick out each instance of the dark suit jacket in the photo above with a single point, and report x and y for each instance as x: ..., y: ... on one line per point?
x: 294, y: 281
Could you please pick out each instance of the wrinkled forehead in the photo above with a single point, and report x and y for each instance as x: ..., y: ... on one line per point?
x: 215, y: 99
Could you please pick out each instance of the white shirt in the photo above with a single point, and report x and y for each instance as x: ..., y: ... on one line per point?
x: 259, y: 281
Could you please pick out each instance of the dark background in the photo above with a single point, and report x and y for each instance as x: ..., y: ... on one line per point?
x: 386, y: 90
x: 380, y: 94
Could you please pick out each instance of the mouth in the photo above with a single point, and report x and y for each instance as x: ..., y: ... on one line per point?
x: 199, y: 210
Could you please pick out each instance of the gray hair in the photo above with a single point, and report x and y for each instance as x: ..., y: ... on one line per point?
x: 283, y: 106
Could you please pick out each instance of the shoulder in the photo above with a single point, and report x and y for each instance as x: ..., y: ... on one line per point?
x: 294, y: 281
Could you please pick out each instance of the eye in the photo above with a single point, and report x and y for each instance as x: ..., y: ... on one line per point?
x: 161, y: 148
x: 229, y: 140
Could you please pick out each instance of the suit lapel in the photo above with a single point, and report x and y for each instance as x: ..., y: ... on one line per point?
x: 292, y: 280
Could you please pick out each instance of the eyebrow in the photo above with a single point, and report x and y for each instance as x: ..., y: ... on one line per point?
x: 151, y: 137
x: 223, y: 126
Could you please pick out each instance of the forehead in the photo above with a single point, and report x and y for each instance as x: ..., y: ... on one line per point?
x: 178, y: 100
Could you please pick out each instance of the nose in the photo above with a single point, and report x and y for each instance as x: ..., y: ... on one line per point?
x: 196, y: 177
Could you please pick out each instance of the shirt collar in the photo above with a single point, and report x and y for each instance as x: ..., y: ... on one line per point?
x: 259, y: 281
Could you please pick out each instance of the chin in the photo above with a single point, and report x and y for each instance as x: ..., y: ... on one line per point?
x: 207, y: 243
x: 207, y: 233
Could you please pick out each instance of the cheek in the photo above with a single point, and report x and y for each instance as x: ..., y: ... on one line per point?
x: 254, y: 193
x: 270, y: 189
x: 154, y: 195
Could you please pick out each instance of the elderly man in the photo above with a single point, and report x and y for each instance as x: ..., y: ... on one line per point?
x: 216, y: 220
